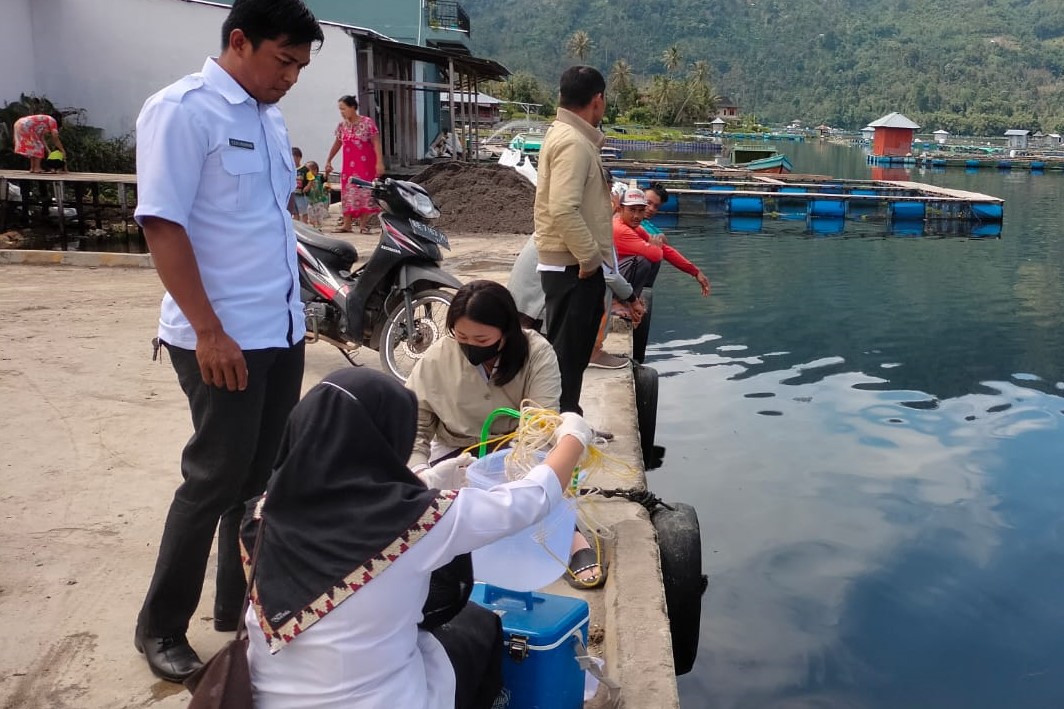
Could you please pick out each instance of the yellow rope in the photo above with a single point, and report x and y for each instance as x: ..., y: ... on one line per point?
x: 533, y: 439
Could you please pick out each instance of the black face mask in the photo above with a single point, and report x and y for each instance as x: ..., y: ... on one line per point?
x: 479, y: 355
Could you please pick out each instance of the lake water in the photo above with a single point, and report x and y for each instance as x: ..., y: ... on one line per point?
x: 870, y: 428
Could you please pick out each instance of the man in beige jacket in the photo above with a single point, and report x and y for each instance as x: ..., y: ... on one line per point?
x: 574, y: 237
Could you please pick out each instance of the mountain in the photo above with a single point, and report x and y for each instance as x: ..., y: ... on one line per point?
x: 970, y: 66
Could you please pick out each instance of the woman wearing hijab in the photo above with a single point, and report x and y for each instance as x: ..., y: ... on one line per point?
x: 350, y: 541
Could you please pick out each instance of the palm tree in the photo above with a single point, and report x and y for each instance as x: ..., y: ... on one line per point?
x: 622, y: 91
x: 661, y: 96
x: 699, y: 96
x: 672, y: 58
x: 579, y: 45
x: 620, y: 75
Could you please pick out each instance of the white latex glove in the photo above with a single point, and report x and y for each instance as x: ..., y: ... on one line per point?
x: 574, y: 425
x: 448, y: 474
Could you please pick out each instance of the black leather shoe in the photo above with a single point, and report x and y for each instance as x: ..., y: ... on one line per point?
x: 226, y: 625
x: 170, y: 657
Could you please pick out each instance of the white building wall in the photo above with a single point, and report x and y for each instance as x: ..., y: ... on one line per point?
x: 108, y: 57
x: 17, y: 68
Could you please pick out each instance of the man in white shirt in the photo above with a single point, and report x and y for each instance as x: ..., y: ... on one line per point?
x: 215, y: 173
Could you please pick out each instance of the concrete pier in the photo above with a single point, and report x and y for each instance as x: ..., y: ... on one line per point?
x: 90, y: 448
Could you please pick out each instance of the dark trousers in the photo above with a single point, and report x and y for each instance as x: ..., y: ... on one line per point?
x: 227, y: 460
x: 473, y: 642
x: 639, y: 271
x: 572, y: 317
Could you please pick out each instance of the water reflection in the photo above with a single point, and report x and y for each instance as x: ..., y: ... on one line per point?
x: 871, y: 432
x: 841, y: 518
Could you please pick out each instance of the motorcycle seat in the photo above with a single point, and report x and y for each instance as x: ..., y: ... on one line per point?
x: 335, y: 252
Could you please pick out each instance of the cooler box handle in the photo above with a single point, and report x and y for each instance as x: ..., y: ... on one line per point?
x: 494, y: 593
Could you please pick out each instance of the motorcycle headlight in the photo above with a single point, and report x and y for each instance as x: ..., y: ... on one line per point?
x: 424, y: 206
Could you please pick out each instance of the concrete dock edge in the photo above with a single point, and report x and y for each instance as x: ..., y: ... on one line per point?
x: 85, y: 259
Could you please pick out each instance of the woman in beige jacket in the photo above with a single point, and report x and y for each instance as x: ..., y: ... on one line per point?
x: 489, y: 362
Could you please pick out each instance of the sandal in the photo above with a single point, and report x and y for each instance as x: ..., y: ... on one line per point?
x: 583, y: 560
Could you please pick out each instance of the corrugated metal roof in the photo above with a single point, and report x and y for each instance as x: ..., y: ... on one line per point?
x: 893, y: 120
x: 1016, y: 131
x: 940, y: 131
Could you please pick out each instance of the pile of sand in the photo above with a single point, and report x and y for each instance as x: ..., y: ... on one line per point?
x: 479, y: 198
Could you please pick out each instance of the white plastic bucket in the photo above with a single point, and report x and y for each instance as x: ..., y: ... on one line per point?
x: 522, y: 562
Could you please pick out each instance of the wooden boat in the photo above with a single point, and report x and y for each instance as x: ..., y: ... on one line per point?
x: 760, y: 158
x: 777, y: 164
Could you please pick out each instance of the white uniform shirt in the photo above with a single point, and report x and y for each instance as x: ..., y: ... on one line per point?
x: 368, y: 653
x: 216, y: 161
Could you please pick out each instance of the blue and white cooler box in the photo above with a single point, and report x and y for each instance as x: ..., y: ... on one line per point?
x: 542, y: 635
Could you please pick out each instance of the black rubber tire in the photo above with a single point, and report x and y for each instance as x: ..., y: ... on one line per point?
x: 680, y: 547
x: 430, y: 311
x: 641, y: 335
x: 646, y: 407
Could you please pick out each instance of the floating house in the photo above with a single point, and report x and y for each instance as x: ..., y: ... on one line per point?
x: 941, y: 136
x: 1053, y: 139
x: 717, y: 125
x: 893, y: 136
x: 823, y: 130
x: 868, y: 133
x: 1017, y: 138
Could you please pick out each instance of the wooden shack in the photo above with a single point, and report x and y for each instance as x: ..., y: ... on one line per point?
x: 893, y: 136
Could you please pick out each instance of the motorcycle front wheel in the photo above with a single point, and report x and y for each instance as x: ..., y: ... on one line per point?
x: 403, y: 344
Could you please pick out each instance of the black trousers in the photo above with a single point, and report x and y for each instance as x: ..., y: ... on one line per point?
x: 639, y: 272
x: 473, y: 641
x: 572, y: 317
x: 227, y: 460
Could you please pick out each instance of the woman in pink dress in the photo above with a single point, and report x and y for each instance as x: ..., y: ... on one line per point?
x: 32, y: 134
x: 362, y: 158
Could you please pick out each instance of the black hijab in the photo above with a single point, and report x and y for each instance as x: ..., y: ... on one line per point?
x: 341, y: 505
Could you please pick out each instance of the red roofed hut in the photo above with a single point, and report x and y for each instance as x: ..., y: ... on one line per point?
x: 894, y: 135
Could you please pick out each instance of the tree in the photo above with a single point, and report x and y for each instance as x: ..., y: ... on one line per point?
x: 622, y: 92
x: 699, y: 100
x: 523, y: 87
x: 672, y: 58
x: 579, y: 45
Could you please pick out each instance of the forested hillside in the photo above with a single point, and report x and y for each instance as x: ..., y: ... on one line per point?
x: 970, y: 66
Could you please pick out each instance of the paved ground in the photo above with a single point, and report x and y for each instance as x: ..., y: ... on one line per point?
x: 88, y: 463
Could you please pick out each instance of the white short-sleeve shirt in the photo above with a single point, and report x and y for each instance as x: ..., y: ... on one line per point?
x: 368, y: 652
x: 217, y: 162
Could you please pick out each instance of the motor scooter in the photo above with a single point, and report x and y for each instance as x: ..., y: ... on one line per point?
x: 395, y: 303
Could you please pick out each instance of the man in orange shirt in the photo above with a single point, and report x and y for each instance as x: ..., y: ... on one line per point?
x: 640, y: 254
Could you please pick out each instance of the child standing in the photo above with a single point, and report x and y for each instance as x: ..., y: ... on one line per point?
x: 316, y: 194
x: 298, y: 205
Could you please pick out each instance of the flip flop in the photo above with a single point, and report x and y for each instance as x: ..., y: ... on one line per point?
x: 583, y: 560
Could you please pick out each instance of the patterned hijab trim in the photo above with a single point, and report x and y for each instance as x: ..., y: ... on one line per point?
x: 278, y: 637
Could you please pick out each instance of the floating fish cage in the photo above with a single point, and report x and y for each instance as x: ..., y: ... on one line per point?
x: 971, y: 163
x: 701, y: 191
x: 678, y: 146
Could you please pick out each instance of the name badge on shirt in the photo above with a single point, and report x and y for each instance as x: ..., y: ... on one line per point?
x: 245, y: 144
